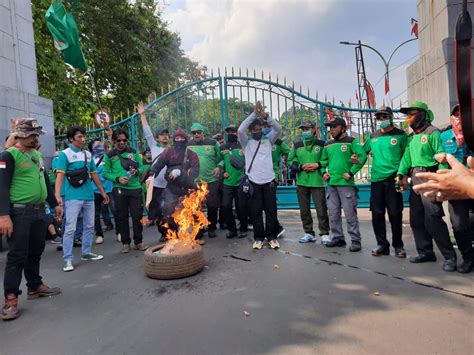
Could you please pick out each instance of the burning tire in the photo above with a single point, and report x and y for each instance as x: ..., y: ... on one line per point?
x: 173, y: 266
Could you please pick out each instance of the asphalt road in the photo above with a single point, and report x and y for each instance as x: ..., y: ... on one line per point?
x: 303, y: 299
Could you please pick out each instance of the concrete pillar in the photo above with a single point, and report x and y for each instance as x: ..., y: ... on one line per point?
x: 18, y: 76
x: 432, y: 78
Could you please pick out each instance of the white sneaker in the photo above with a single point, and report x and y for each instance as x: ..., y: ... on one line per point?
x: 68, y: 266
x: 258, y: 244
x: 274, y: 244
x: 119, y: 237
x: 99, y: 240
x: 325, y: 239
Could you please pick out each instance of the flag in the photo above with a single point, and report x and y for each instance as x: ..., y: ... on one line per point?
x: 346, y: 115
x: 64, y: 30
x: 387, y: 88
x: 370, y: 94
x: 414, y: 27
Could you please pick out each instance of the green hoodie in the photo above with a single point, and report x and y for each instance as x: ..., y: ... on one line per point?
x: 309, y: 152
x: 113, y: 169
x: 209, y: 154
x: 228, y: 150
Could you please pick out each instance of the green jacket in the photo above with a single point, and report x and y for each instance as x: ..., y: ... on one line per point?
x: 336, y: 160
x: 209, y: 154
x: 421, y: 149
x: 387, y: 152
x: 279, y: 149
x: 232, y: 153
x: 114, y: 167
x: 308, y: 153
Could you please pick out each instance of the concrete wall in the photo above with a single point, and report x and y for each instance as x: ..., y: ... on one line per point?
x: 432, y: 78
x: 18, y: 76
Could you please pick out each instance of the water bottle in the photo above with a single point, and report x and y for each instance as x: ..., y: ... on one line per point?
x: 128, y: 175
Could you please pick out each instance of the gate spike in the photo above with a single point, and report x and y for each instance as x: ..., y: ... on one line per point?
x: 317, y: 95
x: 326, y: 98
x: 240, y: 71
x: 232, y: 71
x: 254, y: 73
x: 262, y: 75
x: 247, y: 72
x: 300, y: 89
x: 218, y: 71
x: 225, y: 71
x: 333, y: 101
x: 277, y: 79
x: 308, y: 92
x: 269, y: 76
x: 284, y: 78
x: 293, y: 85
x: 212, y: 72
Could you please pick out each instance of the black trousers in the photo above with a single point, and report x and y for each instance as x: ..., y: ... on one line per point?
x: 25, y: 247
x: 264, y: 199
x: 426, y: 221
x: 213, y: 203
x: 128, y: 201
x: 384, y: 196
x: 156, y: 209
x: 232, y: 194
x: 459, y: 216
x: 101, y: 209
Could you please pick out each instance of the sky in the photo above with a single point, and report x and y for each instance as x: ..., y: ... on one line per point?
x: 299, y: 40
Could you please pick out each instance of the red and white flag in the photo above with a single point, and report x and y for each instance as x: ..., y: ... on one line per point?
x: 387, y: 87
x: 3, y: 165
x: 414, y: 27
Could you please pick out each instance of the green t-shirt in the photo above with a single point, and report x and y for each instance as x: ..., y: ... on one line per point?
x: 28, y: 185
x: 307, y: 153
x: 279, y: 149
x: 421, y: 149
x: 336, y: 159
x: 387, y: 152
x: 209, y: 154
x: 232, y: 152
x: 113, y: 168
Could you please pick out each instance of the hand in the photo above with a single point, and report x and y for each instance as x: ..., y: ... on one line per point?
x: 355, y: 159
x: 347, y: 176
x: 326, y: 176
x: 6, y: 226
x: 105, y: 198
x: 133, y: 171
x: 59, y: 212
x: 123, y: 180
x: 405, y: 183
x: 141, y: 108
x: 59, y: 199
x: 216, y: 172
x: 224, y: 152
x: 441, y: 158
x: 171, y: 177
x: 226, y: 175
x: 454, y: 184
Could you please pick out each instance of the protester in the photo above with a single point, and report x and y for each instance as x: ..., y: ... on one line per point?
x: 342, y: 192
x: 123, y: 166
x: 424, y: 153
x: 233, y: 167
x: 24, y: 188
x: 304, y: 162
x: 260, y: 177
x: 209, y: 153
x: 387, y: 145
x: 75, y: 166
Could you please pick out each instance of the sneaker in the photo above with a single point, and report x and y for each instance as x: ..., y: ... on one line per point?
x: 10, y: 309
x: 92, y: 257
x: 211, y: 233
x: 380, y: 250
x: 258, y: 244
x: 59, y: 247
x: 307, y: 238
x: 400, y: 253
x: 325, y: 239
x: 281, y: 231
x: 125, y: 249
x: 274, y: 244
x: 77, y: 243
x: 109, y: 227
x: 355, y: 246
x: 119, y: 237
x: 99, y: 240
x: 68, y: 266
x: 336, y: 242
x: 43, y: 290
x: 140, y: 247
x: 242, y: 234
x: 57, y: 240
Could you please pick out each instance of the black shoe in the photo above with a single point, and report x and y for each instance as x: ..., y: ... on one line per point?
x: 380, y: 250
x: 77, y: 244
x: 242, y: 234
x: 466, y: 267
x: 59, y: 247
x: 110, y: 227
x: 222, y: 226
x: 355, y: 246
x: 450, y: 265
x: 336, y: 243
x: 211, y: 233
x: 422, y: 258
x: 231, y: 234
x: 400, y: 253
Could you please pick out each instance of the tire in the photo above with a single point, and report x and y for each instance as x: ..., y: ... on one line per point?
x: 166, y: 267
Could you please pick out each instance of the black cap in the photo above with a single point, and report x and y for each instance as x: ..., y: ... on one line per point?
x: 454, y: 108
x: 306, y: 124
x: 337, y: 121
x: 160, y: 131
x: 384, y: 110
x: 231, y: 128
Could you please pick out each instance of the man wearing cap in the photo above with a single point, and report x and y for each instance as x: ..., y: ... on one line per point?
x: 387, y: 145
x: 424, y: 153
x: 157, y: 147
x: 342, y: 192
x: 233, y: 167
x: 304, y: 162
x: 24, y: 188
x: 209, y: 153
x: 261, y: 177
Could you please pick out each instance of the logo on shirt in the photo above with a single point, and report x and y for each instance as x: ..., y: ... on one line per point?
x: 274, y: 147
x: 317, y: 149
x: 208, y: 149
x: 424, y: 140
x: 241, y: 153
x: 394, y: 141
x: 343, y: 148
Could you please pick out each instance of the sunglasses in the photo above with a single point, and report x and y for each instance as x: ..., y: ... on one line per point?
x: 121, y: 140
x: 382, y: 116
x: 196, y: 132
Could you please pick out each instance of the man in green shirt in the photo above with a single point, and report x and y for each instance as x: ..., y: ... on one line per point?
x: 123, y: 166
x: 342, y: 192
x: 424, y: 153
x: 387, y: 145
x: 304, y: 161
x: 209, y: 153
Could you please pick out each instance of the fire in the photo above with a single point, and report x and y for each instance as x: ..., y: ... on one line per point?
x: 189, y: 218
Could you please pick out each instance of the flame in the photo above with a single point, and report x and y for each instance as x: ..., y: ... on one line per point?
x: 189, y: 218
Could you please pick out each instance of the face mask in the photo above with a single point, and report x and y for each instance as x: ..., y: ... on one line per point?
x: 385, y: 124
x: 257, y: 135
x: 180, y: 144
x: 418, y: 121
x: 266, y: 130
x: 98, y: 150
x: 232, y: 138
x: 457, y: 130
x: 306, y: 135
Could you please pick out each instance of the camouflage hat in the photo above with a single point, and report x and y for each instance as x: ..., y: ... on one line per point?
x: 25, y: 127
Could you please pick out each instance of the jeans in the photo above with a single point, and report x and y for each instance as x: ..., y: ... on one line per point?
x: 25, y: 248
x: 78, y: 232
x: 73, y: 210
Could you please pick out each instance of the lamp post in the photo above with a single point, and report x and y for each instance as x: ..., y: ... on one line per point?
x: 385, y: 62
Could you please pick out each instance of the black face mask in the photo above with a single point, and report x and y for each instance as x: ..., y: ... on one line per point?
x: 419, y: 121
x: 180, y: 145
x: 257, y: 135
x: 231, y: 138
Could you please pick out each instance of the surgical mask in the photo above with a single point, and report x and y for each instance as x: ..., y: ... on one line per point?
x: 385, y: 124
x: 257, y: 135
x: 231, y: 138
x: 266, y: 130
x: 98, y: 150
x: 306, y: 135
x: 457, y: 130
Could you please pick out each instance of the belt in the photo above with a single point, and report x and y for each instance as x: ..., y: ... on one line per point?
x: 423, y: 169
x: 22, y: 205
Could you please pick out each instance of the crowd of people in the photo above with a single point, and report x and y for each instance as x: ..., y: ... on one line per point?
x: 241, y: 170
